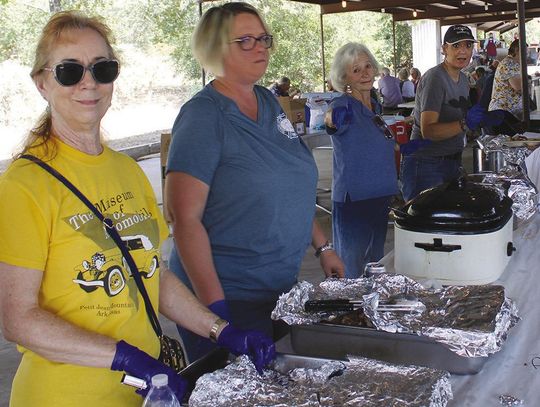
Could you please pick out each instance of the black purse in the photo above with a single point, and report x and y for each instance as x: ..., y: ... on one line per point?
x: 172, y: 353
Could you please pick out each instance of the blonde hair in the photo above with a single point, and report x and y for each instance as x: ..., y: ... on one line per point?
x: 51, y: 36
x: 344, y: 57
x: 210, y: 41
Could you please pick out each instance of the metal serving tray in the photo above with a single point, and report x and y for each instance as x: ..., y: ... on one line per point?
x: 285, y: 362
x: 337, y: 341
x: 219, y: 358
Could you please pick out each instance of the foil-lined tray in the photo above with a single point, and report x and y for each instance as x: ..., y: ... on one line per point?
x: 463, y: 321
x: 306, y: 382
x: 521, y: 189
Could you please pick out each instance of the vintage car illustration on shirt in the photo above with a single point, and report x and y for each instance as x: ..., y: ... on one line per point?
x: 111, y: 272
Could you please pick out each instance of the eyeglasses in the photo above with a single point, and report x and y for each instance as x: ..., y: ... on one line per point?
x: 248, y: 42
x: 381, y: 124
x: 71, y: 73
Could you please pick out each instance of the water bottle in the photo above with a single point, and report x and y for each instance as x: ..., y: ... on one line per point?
x: 160, y: 394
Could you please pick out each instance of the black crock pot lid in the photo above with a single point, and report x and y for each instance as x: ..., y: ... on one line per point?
x: 459, y: 205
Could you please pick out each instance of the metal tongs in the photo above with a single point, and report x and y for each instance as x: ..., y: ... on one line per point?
x: 395, y: 305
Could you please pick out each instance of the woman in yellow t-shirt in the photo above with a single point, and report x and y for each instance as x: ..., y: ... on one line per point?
x: 67, y: 298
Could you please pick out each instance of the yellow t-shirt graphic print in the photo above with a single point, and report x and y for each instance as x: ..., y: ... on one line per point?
x: 86, y: 280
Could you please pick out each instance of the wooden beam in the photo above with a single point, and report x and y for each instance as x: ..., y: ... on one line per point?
x: 439, y: 12
x: 523, y: 61
x: 506, y: 29
x: 493, y: 27
x: 475, y: 20
x: 370, y: 5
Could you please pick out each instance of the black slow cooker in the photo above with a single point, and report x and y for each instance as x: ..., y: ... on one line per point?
x: 459, y: 206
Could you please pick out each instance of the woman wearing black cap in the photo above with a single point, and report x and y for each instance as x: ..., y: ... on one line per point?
x: 441, y: 118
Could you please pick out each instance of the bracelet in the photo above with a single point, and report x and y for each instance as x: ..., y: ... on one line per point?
x: 463, y: 125
x: 323, y: 248
x: 217, y: 327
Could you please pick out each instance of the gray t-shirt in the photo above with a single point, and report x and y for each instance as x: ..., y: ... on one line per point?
x: 437, y: 92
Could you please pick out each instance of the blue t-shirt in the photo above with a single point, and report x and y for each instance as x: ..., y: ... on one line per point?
x: 261, y: 202
x: 363, y: 165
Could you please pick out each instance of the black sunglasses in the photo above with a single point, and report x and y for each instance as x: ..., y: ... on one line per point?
x: 71, y: 73
x: 247, y: 43
x: 381, y: 124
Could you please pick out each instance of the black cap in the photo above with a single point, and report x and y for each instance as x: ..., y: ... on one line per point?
x: 458, y: 33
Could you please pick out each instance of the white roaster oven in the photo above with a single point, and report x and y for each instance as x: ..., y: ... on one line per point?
x: 459, y: 233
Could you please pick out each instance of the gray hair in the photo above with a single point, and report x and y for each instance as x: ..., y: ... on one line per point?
x: 403, y: 74
x: 343, y: 59
x: 210, y: 41
x: 386, y: 71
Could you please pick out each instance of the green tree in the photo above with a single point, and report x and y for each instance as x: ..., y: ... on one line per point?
x: 22, y: 22
x: 294, y: 26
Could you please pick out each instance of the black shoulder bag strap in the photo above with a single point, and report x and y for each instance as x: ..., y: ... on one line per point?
x: 113, y: 233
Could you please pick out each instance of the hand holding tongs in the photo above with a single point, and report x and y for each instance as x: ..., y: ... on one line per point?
x: 399, y: 305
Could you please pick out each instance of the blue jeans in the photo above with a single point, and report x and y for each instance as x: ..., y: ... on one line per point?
x: 359, y: 232
x: 244, y: 314
x: 421, y: 173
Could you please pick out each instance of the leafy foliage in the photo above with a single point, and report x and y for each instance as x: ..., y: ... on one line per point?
x: 166, y: 26
x: 20, y: 28
x: 375, y: 31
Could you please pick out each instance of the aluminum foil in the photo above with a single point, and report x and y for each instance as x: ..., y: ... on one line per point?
x: 359, y: 381
x: 512, y: 155
x: 290, y: 305
x: 472, y: 321
x: 522, y: 190
x: 507, y: 400
x: 517, y: 185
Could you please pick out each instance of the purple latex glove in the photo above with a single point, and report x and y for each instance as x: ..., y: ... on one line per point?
x: 221, y: 309
x: 413, y: 145
x: 341, y: 115
x: 475, y: 117
x: 259, y: 347
x: 135, y: 362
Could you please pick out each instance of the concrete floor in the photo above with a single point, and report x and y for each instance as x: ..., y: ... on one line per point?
x: 310, y: 270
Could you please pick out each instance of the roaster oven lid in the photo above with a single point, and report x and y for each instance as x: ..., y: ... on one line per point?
x: 458, y: 206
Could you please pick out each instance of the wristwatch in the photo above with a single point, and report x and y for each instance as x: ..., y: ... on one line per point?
x: 323, y: 248
x: 218, y: 326
x: 463, y: 125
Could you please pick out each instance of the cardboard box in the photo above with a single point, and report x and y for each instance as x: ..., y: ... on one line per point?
x: 293, y: 108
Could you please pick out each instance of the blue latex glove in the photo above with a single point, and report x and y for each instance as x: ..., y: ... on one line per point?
x: 475, y: 117
x: 221, y: 309
x: 341, y: 115
x: 413, y: 145
x: 135, y: 362
x: 259, y: 347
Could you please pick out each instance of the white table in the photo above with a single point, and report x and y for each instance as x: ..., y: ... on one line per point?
x: 407, y: 105
x: 515, y: 369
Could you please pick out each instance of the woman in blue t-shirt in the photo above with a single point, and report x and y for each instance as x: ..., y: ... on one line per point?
x: 364, y: 170
x: 241, y: 184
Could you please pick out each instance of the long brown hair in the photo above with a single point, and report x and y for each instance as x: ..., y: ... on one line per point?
x: 51, y: 35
